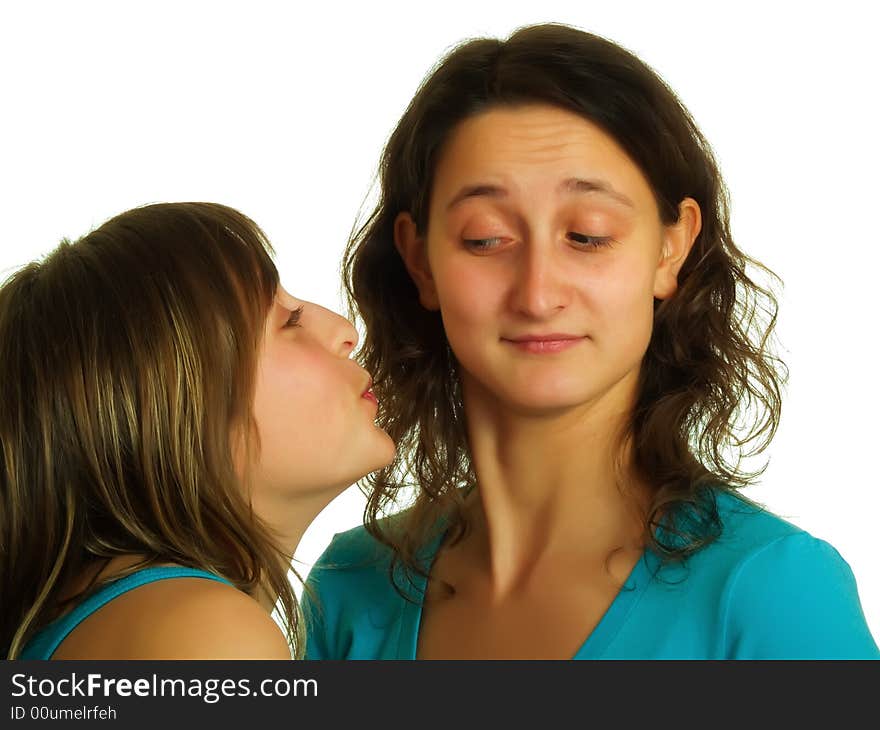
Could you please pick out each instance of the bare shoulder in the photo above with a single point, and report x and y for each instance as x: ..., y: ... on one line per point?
x: 211, y: 620
x: 179, y: 618
x: 205, y: 619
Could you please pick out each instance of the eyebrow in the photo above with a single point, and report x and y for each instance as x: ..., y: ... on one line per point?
x: 578, y: 185
x: 570, y: 185
x: 286, y: 305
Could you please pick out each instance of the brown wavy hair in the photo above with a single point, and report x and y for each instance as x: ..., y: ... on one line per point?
x: 127, y: 360
x: 709, y: 390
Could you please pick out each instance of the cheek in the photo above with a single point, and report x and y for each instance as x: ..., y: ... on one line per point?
x: 469, y: 296
x: 622, y: 301
x: 290, y: 391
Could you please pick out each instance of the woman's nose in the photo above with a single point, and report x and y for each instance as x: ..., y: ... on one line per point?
x: 349, y: 337
x: 344, y: 337
x: 538, y: 288
x: 334, y: 331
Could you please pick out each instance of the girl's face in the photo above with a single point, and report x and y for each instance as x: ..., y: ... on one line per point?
x: 544, y: 253
x: 313, y: 406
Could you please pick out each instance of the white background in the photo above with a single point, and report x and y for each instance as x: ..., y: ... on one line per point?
x: 281, y: 110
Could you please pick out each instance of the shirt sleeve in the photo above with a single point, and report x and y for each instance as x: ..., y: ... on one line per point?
x: 796, y: 598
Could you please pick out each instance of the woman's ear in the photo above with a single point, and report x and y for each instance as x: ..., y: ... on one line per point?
x: 678, y: 239
x: 413, y: 250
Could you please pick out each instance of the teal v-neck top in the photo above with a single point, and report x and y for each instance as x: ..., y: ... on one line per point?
x: 44, y: 643
x: 765, y: 589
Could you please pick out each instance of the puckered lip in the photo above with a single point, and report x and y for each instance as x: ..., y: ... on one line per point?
x: 369, y: 387
x: 549, y: 337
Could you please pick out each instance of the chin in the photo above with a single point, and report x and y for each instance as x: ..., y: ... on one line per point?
x: 536, y: 396
x: 542, y: 407
x: 385, y: 454
x: 376, y: 455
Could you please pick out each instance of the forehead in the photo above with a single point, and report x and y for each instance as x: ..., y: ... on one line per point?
x: 531, y: 147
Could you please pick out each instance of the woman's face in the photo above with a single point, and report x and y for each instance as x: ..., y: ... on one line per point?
x: 313, y: 406
x: 544, y: 253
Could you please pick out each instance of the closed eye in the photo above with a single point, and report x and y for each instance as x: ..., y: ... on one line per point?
x: 293, y: 319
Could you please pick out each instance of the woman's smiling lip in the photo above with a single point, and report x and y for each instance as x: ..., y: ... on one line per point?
x: 551, y: 342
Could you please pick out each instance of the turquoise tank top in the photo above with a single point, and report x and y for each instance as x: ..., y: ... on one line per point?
x: 46, y: 641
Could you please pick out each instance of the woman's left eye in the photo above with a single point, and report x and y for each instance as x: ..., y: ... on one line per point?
x: 293, y: 319
x: 585, y: 241
x: 483, y: 244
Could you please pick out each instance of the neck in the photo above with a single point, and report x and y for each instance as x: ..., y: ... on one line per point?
x: 288, y: 517
x: 548, y: 486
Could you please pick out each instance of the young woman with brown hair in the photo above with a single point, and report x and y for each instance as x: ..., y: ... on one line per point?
x: 171, y: 420
x: 572, y: 356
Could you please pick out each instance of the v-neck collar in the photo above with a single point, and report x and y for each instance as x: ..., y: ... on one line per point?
x: 617, y: 613
x: 593, y: 647
x: 411, y: 610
